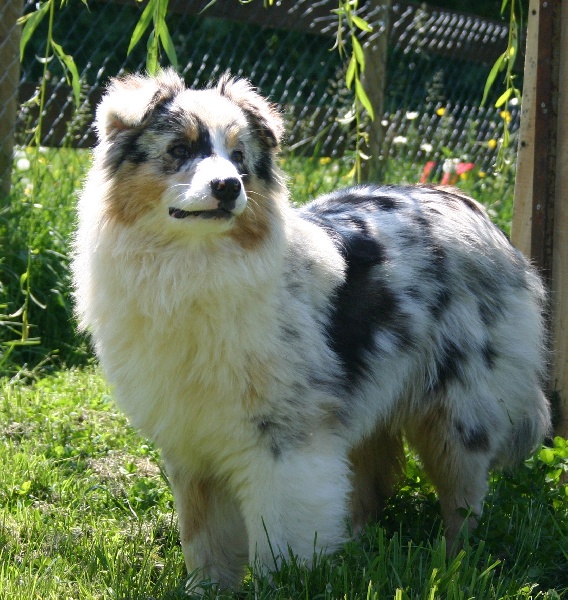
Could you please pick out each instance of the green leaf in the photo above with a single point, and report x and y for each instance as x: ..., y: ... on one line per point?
x: 506, y: 137
x: 546, y: 455
x: 364, y: 99
x: 160, y: 12
x: 25, y: 487
x: 361, y: 23
x: 358, y: 52
x: 70, y: 70
x: 152, y: 54
x: 513, y: 50
x: 503, y: 97
x: 168, y: 44
x: 351, y: 72
x: 31, y: 20
x: 141, y: 26
x: 492, y: 76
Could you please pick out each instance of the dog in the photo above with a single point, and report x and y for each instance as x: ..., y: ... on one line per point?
x: 278, y: 355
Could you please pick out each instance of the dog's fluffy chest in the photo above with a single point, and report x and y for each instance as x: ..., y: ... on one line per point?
x: 200, y: 370
x: 191, y: 378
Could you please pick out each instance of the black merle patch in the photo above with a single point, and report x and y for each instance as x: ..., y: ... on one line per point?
x: 291, y: 333
x: 363, y: 305
x: 263, y: 166
x: 385, y: 202
x: 490, y: 310
x: 125, y: 147
x: 449, y: 365
x: 489, y: 355
x: 442, y: 301
x: 269, y: 429
x: 167, y: 117
x: 280, y: 434
x: 458, y: 199
x: 361, y: 197
x: 474, y: 439
x: 188, y: 149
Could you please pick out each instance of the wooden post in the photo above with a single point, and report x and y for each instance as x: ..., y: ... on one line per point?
x: 374, y: 82
x: 540, y: 221
x: 10, y: 11
x: 560, y: 239
x: 522, y: 216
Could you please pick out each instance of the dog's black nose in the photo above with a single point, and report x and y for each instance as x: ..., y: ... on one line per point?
x: 226, y: 191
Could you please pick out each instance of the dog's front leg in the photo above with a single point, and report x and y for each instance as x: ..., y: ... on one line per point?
x: 295, y: 500
x: 212, y: 530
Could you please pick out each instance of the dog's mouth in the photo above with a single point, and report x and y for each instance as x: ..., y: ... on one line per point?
x: 218, y: 213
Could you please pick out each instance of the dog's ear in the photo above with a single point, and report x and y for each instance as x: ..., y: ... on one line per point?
x: 129, y: 101
x: 262, y: 115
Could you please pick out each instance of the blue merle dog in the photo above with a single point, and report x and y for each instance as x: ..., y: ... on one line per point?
x: 278, y: 356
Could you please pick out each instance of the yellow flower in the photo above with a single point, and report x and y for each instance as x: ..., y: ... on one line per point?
x: 324, y: 160
x: 441, y: 111
x: 506, y: 115
x: 492, y: 144
x: 482, y: 174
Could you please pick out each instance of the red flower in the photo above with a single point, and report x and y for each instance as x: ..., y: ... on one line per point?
x: 464, y: 168
x: 428, y: 168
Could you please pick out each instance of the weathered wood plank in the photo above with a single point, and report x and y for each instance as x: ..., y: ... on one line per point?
x: 523, y: 202
x: 560, y: 239
x: 10, y: 10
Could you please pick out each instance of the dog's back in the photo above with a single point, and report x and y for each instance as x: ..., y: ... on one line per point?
x: 440, y: 327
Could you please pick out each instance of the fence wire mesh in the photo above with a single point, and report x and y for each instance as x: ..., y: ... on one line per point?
x: 428, y: 126
x: 437, y: 64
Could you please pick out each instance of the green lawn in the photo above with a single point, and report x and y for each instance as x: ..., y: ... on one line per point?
x: 85, y: 509
x: 85, y: 512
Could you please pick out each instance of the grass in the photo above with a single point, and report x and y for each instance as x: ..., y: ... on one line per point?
x: 86, y: 512
x: 39, y: 216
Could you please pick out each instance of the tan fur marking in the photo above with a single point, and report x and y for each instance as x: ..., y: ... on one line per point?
x: 457, y: 489
x: 233, y: 135
x: 191, y: 131
x: 258, y: 378
x: 376, y: 464
x: 253, y: 226
x: 195, y: 509
x: 134, y: 193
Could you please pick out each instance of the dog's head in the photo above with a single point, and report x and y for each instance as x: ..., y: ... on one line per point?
x: 187, y: 162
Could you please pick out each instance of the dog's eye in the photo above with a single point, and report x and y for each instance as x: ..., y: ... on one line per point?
x: 180, y: 151
x: 237, y: 156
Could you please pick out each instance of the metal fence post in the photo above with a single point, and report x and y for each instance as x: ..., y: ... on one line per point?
x: 10, y: 11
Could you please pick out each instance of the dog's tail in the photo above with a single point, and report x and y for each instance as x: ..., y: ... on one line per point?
x: 526, y: 434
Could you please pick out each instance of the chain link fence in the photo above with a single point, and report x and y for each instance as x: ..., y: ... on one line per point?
x: 426, y: 70
x: 437, y: 64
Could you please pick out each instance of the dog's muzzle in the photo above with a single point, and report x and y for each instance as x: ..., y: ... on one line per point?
x: 225, y: 191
